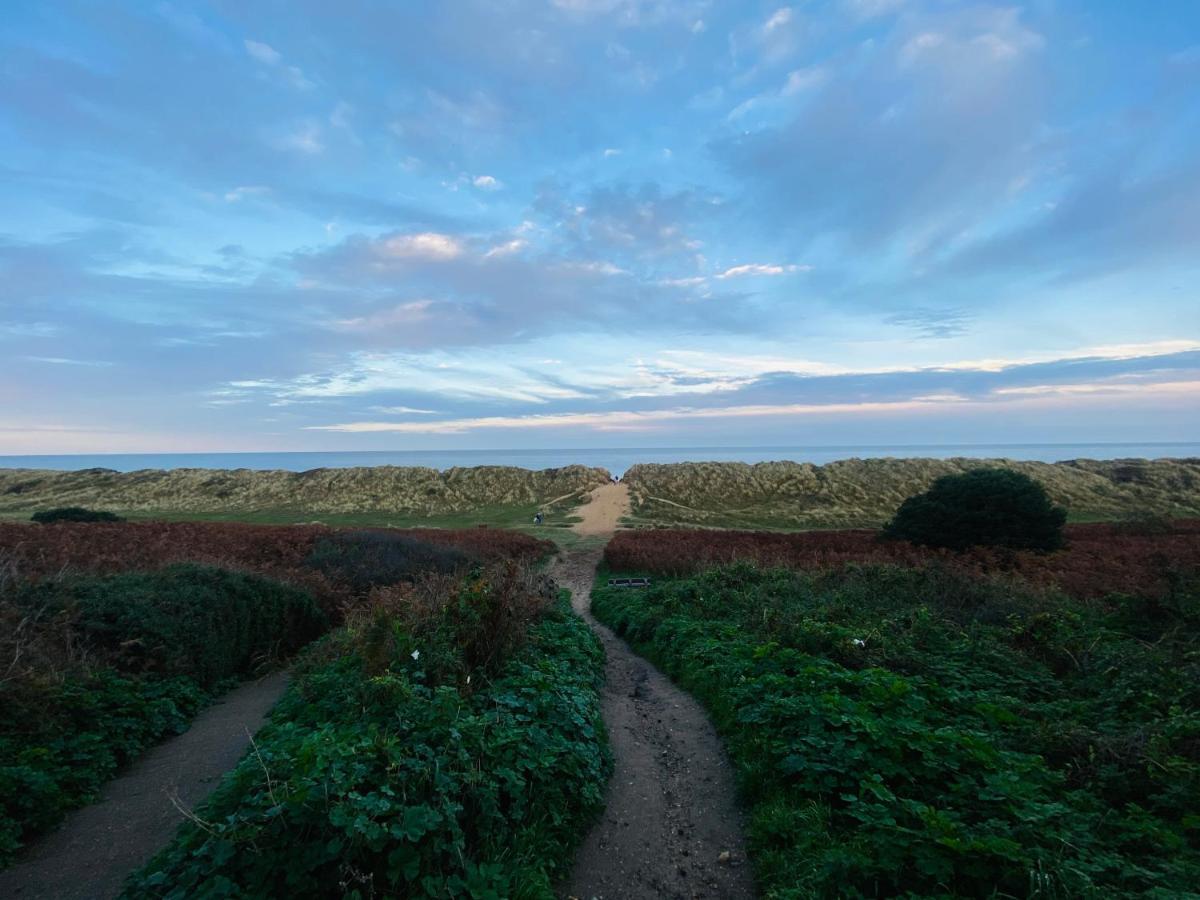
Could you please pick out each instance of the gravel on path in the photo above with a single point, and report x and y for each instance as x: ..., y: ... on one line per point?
x: 98, y: 847
x: 671, y: 827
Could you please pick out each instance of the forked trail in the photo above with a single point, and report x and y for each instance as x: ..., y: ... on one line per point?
x: 671, y: 827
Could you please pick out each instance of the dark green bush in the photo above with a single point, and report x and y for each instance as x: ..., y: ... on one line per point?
x: 891, y: 742
x: 374, y: 779
x: 74, y: 514
x: 207, y: 624
x: 981, y: 508
x: 367, y: 559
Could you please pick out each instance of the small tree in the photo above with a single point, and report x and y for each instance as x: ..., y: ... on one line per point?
x: 983, y: 507
x: 74, y: 514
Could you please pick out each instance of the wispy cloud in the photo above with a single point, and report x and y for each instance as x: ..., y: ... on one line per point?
x: 624, y: 420
x: 240, y: 193
x: 269, y: 56
x: 424, y: 245
x: 65, y: 361
x: 650, y: 420
x: 28, y: 329
x: 768, y: 269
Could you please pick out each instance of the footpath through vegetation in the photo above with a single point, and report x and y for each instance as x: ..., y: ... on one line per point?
x: 671, y: 826
x: 137, y: 812
x: 443, y: 740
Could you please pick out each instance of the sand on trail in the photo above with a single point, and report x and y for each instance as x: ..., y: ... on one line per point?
x: 671, y: 827
x: 97, y: 847
x: 601, y: 515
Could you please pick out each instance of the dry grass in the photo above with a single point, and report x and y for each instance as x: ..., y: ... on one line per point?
x: 405, y: 491
x: 863, y: 493
x: 1098, y: 559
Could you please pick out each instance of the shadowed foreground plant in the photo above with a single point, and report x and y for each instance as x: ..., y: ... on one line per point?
x: 95, y: 670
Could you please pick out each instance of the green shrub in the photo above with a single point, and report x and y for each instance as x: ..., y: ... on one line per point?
x: 463, y: 626
x: 375, y: 779
x: 915, y: 733
x: 983, y: 507
x: 207, y: 624
x: 74, y: 514
x: 367, y: 559
x: 99, y: 669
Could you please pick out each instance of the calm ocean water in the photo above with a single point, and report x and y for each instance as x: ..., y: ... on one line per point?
x: 615, y: 460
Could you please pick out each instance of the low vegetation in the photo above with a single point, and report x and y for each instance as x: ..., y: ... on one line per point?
x: 366, y: 559
x: 445, y: 742
x: 865, y: 493
x: 287, y: 553
x: 73, y: 514
x: 378, y: 493
x: 94, y: 670
x: 1135, y: 557
x: 922, y: 732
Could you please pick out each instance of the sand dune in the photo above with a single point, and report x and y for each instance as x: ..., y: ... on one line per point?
x: 394, y: 489
x: 866, y: 492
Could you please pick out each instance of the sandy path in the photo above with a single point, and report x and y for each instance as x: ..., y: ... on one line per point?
x: 602, y: 513
x: 670, y: 813
x: 98, y: 846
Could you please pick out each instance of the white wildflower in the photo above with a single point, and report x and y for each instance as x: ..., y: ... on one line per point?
x: 859, y: 642
x: 416, y: 654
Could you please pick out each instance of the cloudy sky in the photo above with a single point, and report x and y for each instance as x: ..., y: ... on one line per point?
x: 546, y: 223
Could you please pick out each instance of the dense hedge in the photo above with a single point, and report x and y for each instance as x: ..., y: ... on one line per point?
x: 385, y: 772
x: 917, y: 733
x: 100, y: 669
x: 204, y: 623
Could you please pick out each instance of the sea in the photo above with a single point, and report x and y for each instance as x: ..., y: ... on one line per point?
x: 615, y: 460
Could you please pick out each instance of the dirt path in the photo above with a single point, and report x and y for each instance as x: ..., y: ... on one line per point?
x: 602, y: 513
x: 99, y: 845
x: 671, y: 827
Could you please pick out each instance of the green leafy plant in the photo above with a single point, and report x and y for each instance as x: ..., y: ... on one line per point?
x: 983, y: 507
x: 93, y: 671
x: 73, y: 514
x: 388, y: 770
x: 921, y: 733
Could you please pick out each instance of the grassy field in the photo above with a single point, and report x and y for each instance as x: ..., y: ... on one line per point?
x: 866, y: 493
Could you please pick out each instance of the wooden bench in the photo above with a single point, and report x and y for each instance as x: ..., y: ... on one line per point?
x: 629, y: 582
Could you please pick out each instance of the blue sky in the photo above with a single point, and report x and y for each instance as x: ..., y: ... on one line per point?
x: 370, y: 225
